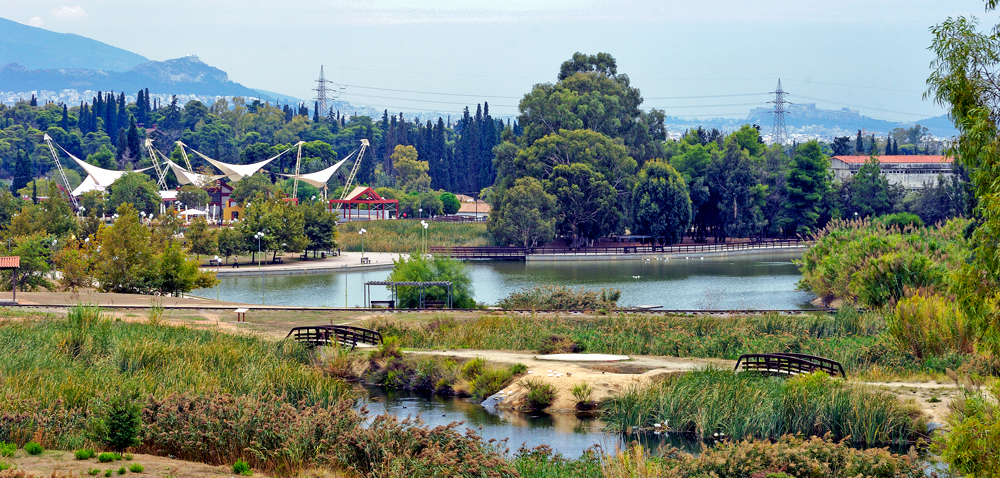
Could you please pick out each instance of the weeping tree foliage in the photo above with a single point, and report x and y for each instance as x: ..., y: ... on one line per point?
x: 437, y: 269
x: 966, y: 80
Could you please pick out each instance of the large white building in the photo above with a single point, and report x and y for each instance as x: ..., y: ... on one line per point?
x: 913, y: 172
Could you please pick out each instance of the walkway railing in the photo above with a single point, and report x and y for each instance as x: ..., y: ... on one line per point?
x: 789, y: 364
x: 520, y: 253
x: 346, y: 335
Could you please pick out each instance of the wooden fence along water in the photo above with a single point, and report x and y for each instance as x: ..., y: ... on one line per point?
x: 521, y: 253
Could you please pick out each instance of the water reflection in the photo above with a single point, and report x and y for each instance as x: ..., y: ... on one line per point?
x: 567, y: 433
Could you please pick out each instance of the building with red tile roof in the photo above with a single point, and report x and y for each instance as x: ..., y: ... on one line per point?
x: 911, y: 171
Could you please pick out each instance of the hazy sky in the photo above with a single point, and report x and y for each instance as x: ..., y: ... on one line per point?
x: 869, y: 55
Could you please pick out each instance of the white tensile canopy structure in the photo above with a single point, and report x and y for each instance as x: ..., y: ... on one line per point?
x: 97, y: 178
x: 236, y: 172
x: 193, y: 212
x: 319, y: 178
x: 189, y: 177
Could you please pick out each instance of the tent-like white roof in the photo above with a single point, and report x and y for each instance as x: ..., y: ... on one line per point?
x: 193, y: 212
x: 236, y: 172
x: 319, y: 178
x: 188, y: 177
x: 97, y: 178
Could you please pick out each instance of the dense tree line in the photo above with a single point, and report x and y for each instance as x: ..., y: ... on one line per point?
x: 591, y: 163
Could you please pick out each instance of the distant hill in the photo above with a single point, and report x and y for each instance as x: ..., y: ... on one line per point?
x: 187, y: 75
x: 40, y: 49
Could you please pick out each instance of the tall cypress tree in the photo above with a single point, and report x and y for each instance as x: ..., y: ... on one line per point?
x: 121, y: 120
x: 888, y: 145
x: 895, y: 147
x: 22, y: 172
x: 859, y: 145
x: 64, y: 122
x: 440, y: 143
x: 132, y: 140
x: 316, y: 112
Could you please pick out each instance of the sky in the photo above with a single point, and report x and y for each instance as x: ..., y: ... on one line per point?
x: 691, y: 58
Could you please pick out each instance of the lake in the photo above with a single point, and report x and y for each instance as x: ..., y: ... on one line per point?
x: 698, y: 282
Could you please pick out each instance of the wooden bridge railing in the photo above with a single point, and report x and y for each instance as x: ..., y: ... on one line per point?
x: 789, y: 364
x: 346, y: 335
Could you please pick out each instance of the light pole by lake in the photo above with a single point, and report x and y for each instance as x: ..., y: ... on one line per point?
x: 424, y: 232
x: 259, y: 236
x: 362, y: 234
x: 218, y: 268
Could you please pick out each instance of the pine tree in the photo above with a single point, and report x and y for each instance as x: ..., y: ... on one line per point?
x: 873, y: 147
x: 34, y: 101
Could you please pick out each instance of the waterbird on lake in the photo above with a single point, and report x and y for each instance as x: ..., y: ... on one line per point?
x: 635, y: 277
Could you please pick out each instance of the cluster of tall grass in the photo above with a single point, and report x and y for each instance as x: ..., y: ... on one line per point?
x: 714, y: 403
x: 873, y: 263
x: 551, y: 297
x: 60, y: 377
x: 408, y: 235
x: 856, y: 339
x: 787, y: 457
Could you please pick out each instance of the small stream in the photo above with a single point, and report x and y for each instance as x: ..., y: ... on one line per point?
x: 567, y: 433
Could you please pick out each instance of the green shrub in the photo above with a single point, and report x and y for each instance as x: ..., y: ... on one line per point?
x: 549, y: 297
x: 241, y: 467
x: 540, y: 394
x: 122, y: 421
x: 582, y: 392
x: 33, y: 448
x: 93, y: 471
x: 84, y: 454
x: 970, y: 447
x: 122, y: 471
x: 900, y: 220
x: 5, y: 466
x: 106, y: 457
x: 491, y: 380
x: 136, y: 468
x: 518, y: 369
x: 127, y: 457
x: 108, y: 473
x: 472, y: 368
x: 930, y: 326
x: 7, y: 449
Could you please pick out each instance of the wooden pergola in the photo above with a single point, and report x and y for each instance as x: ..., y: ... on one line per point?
x: 11, y: 264
x: 394, y: 286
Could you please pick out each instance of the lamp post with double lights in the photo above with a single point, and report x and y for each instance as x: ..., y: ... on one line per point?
x: 362, y: 233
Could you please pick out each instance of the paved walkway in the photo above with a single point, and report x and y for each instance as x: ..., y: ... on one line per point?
x: 347, y: 261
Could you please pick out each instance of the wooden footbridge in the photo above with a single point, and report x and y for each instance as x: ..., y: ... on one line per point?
x: 343, y: 335
x: 522, y: 253
x: 789, y: 364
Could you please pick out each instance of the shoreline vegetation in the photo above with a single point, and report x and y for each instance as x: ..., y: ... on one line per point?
x: 76, y: 383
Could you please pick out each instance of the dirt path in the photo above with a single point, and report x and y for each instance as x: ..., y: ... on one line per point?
x: 612, y: 378
x: 605, y: 378
x: 62, y: 463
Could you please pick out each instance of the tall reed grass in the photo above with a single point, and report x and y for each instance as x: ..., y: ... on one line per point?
x: 66, y: 366
x: 713, y: 403
x: 855, y: 339
x: 407, y: 235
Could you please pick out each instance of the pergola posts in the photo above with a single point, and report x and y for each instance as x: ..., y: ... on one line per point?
x: 12, y: 264
x: 394, y: 285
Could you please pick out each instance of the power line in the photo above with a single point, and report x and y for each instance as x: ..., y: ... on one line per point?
x: 424, y: 101
x: 860, y: 106
x: 703, y: 96
x: 707, y: 106
x: 433, y: 93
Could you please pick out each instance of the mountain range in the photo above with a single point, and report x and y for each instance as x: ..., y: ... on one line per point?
x: 34, y: 59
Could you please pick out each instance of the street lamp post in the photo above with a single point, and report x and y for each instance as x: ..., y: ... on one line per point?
x: 259, y: 236
x: 362, y: 234
x: 424, y: 223
x: 218, y: 268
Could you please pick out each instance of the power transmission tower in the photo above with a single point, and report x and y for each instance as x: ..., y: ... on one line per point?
x: 778, y: 133
x: 325, y: 94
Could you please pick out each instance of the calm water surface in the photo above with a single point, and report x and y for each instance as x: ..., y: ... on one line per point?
x: 735, y: 282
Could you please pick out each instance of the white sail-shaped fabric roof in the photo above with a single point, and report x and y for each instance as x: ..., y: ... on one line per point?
x: 319, y: 178
x: 236, y: 172
x: 188, y: 177
x: 97, y: 178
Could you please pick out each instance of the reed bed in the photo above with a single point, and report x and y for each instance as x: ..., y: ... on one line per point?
x: 715, y: 404
x: 76, y: 360
x: 857, y: 340
x: 407, y: 235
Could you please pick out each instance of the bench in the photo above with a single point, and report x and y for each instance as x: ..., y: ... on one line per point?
x: 388, y: 304
x: 434, y: 304
x: 241, y: 315
x: 366, y: 260
x: 278, y: 260
x: 303, y: 257
x: 213, y: 263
